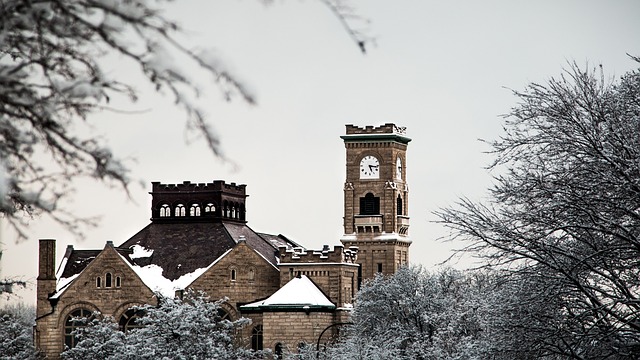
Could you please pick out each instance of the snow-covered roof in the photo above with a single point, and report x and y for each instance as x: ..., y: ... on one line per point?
x: 299, y: 293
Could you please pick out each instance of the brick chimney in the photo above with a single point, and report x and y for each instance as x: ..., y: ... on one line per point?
x: 46, y: 282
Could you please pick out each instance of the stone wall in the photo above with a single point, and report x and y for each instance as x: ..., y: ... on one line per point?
x: 83, y: 293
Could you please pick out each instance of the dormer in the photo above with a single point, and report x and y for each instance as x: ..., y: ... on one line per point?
x: 198, y: 202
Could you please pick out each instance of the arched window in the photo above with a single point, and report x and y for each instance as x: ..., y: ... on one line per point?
x: 256, y: 338
x: 369, y: 205
x: 233, y: 212
x: 130, y: 320
x: 165, y: 210
x: 194, y: 210
x: 118, y: 283
x: 180, y: 210
x: 252, y: 274
x: 223, y: 314
x: 98, y: 282
x: 76, y: 319
x: 107, y: 280
x: 209, y: 208
x: 278, y: 351
x: 233, y: 274
x: 399, y: 205
x: 242, y: 212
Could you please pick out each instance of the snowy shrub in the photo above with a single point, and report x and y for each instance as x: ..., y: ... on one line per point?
x: 16, y: 340
x: 190, y: 328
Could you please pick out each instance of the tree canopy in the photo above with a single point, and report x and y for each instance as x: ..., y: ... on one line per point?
x: 565, y: 210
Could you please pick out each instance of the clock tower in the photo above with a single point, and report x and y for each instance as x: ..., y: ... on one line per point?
x: 376, y: 218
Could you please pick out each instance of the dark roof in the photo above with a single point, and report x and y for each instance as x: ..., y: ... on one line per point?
x: 77, y: 261
x: 181, y: 248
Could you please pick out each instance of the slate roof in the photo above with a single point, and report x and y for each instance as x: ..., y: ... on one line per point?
x: 182, y: 248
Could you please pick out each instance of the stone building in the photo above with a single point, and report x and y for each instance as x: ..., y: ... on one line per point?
x: 198, y: 238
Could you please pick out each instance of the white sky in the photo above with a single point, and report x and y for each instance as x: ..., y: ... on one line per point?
x: 440, y: 68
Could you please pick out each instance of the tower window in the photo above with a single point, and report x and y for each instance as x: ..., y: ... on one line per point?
x: 209, y: 208
x: 194, y: 210
x: 369, y: 205
x: 165, y: 210
x: 399, y: 205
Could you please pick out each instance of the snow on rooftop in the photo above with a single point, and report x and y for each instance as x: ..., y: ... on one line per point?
x: 140, y: 252
x: 299, y: 292
x: 62, y: 284
x: 151, y: 275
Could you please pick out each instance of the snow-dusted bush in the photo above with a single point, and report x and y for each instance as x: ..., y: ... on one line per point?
x: 416, y: 314
x: 16, y: 326
x: 190, y: 328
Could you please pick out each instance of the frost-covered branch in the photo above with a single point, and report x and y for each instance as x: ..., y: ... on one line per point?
x: 52, y: 81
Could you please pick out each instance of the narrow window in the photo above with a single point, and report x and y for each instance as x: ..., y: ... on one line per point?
x: 98, y: 282
x: 252, y: 274
x: 107, y: 280
x: 379, y: 267
x: 399, y: 205
x: 278, y: 351
x: 117, y: 281
x: 256, y: 338
x: 233, y: 274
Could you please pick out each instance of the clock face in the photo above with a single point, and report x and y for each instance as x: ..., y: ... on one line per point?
x: 369, y: 167
x: 399, y: 168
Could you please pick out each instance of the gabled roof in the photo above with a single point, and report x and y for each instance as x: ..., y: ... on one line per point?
x: 299, y: 293
x: 173, y: 253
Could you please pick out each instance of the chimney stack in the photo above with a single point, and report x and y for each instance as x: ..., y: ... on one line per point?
x: 46, y: 282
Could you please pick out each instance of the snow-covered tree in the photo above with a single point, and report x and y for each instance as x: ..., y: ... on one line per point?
x: 191, y: 328
x: 565, y: 213
x: 51, y: 81
x: 16, y: 326
x: 415, y: 314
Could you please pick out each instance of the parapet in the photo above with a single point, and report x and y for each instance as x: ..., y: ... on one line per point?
x: 388, y: 128
x: 386, y: 132
x: 188, y: 186
x: 338, y: 255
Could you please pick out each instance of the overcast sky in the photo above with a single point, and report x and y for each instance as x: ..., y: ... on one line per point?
x: 443, y: 69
